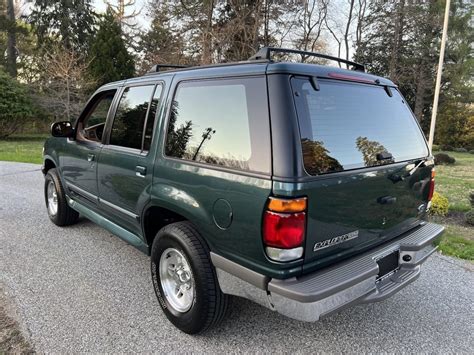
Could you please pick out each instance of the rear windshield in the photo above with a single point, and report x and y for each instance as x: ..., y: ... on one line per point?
x: 347, y: 125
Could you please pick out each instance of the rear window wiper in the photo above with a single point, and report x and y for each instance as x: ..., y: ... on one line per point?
x: 400, y: 177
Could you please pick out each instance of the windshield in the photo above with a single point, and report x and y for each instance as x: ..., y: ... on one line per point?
x: 347, y: 125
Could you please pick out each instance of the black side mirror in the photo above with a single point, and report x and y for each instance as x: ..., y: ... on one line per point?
x: 62, y: 129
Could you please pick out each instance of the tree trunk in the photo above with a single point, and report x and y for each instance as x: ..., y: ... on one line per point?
x: 348, y: 25
x: 11, y: 46
x: 207, y: 39
x: 397, y: 41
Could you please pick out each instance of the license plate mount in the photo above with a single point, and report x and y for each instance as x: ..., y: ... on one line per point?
x: 388, y: 264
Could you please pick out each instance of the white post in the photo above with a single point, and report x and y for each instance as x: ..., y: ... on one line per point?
x: 438, y: 75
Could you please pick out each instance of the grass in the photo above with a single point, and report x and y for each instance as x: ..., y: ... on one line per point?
x: 23, y: 148
x: 457, y: 241
x: 453, y: 181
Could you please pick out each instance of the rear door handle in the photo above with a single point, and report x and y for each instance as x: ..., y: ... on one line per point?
x: 387, y: 200
x: 90, y: 157
x: 140, y: 171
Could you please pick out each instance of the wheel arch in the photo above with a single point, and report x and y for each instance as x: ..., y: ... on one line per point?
x: 48, y: 163
x: 154, y: 218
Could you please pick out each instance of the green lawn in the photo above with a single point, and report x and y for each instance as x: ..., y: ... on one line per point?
x: 23, y: 148
x: 453, y: 181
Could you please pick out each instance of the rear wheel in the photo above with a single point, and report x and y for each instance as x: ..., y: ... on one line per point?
x: 185, y: 280
x: 59, y: 211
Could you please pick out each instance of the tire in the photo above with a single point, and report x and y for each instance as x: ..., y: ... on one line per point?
x: 59, y: 211
x: 209, y: 305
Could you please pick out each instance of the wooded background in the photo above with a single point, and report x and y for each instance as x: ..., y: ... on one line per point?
x: 54, y: 54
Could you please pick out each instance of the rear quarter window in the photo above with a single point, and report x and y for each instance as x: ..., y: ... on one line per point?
x: 221, y: 122
x: 347, y: 125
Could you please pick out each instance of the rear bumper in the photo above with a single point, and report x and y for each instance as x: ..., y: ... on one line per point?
x: 354, y: 281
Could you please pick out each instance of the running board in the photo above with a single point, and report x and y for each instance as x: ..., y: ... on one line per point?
x: 113, y: 228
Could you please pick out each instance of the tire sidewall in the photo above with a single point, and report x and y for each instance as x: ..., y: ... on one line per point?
x: 50, y: 176
x: 194, y: 318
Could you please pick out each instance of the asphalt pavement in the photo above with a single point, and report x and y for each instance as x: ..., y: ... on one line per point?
x: 81, y: 289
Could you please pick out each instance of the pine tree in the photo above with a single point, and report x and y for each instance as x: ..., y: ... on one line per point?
x: 401, y: 40
x: 161, y: 43
x: 110, y: 60
x: 71, y: 22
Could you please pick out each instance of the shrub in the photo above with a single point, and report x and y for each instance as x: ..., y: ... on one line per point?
x: 470, y: 217
x: 460, y: 150
x: 15, y: 105
x: 444, y: 159
x: 446, y: 147
x: 471, y: 151
x: 436, y: 148
x: 471, y: 198
x: 439, y: 205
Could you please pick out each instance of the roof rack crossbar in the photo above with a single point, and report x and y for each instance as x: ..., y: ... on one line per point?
x: 264, y: 53
x: 156, y: 68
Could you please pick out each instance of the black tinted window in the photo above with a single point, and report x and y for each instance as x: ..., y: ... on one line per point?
x: 348, y: 125
x: 92, y: 126
x: 222, y: 122
x: 150, y: 122
x: 127, y: 129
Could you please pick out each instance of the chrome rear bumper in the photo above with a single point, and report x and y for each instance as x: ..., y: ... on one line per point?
x: 354, y: 281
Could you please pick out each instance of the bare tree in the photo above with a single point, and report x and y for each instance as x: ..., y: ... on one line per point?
x: 119, y: 9
x: 348, y: 26
x: 344, y: 23
x: 63, y: 85
x: 311, y: 20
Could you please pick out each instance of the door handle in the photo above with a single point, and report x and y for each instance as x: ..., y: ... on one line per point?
x: 90, y: 157
x: 140, y: 171
x: 387, y: 200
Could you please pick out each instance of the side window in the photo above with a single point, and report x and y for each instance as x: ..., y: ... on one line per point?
x: 150, y: 122
x: 127, y: 128
x: 221, y: 122
x: 91, y: 128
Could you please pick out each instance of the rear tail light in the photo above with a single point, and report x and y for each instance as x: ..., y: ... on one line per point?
x: 284, y: 227
x: 432, y: 185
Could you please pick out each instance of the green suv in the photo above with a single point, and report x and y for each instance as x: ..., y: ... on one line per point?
x: 301, y: 187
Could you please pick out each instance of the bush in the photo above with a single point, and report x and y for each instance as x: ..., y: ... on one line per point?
x: 447, y: 147
x: 436, y: 148
x: 471, y: 151
x: 439, y: 205
x: 460, y: 150
x: 470, y: 217
x: 15, y: 106
x: 471, y: 198
x: 444, y: 159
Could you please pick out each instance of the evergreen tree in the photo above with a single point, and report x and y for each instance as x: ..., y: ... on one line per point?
x: 455, y: 122
x: 401, y: 40
x: 71, y: 22
x: 110, y: 60
x: 161, y: 44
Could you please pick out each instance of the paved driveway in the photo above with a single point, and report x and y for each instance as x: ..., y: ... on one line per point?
x: 82, y: 289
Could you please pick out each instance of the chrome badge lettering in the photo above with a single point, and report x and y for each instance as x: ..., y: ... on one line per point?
x: 336, y: 240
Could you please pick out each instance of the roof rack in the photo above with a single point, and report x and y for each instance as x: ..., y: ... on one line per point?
x: 264, y: 53
x: 156, y: 68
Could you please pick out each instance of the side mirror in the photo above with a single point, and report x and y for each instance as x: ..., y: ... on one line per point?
x: 62, y: 129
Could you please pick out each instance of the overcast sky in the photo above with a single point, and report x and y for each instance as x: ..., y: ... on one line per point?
x: 139, y: 5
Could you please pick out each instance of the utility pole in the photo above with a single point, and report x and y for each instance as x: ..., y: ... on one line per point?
x: 11, y: 46
x: 438, y: 75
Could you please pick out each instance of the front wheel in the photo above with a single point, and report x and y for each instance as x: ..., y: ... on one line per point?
x: 184, y: 279
x: 59, y: 211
